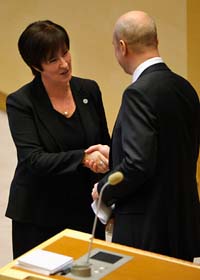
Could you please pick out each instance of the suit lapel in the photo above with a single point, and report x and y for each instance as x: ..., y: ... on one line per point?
x: 83, y: 102
x: 44, y: 110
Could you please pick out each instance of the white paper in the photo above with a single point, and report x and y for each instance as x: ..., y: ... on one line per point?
x: 104, y: 211
x: 44, y: 262
x: 196, y: 260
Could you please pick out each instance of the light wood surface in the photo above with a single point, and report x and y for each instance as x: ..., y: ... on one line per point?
x: 144, y: 265
x: 2, y: 101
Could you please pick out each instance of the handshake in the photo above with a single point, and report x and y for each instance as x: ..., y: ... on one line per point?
x: 96, y: 158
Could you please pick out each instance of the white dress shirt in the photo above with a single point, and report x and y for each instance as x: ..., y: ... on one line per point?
x: 144, y: 66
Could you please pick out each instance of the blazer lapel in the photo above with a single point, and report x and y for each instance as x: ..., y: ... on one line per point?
x: 83, y: 102
x: 44, y: 110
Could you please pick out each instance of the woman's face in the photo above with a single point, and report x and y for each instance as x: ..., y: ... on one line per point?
x: 57, y: 69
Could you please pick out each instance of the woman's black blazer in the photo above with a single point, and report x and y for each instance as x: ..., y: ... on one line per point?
x: 50, y: 186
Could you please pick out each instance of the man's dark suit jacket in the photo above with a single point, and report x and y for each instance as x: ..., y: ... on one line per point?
x: 155, y: 144
x: 50, y: 186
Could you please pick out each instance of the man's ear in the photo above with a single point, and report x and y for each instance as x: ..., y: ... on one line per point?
x: 123, y: 47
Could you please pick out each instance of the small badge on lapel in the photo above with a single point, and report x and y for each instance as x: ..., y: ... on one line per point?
x: 85, y: 101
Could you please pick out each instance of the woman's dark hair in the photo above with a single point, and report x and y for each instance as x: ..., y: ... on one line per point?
x: 40, y: 41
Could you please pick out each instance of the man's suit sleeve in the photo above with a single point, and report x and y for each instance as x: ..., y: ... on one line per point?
x: 135, y: 138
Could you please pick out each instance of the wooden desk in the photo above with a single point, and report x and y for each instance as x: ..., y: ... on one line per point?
x: 144, y: 265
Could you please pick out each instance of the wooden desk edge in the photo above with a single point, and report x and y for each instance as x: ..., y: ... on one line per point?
x: 86, y: 237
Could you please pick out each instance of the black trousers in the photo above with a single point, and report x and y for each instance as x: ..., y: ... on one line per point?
x: 26, y: 236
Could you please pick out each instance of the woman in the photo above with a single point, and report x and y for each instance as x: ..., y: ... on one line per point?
x: 53, y: 119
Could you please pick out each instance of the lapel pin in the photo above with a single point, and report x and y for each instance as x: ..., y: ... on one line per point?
x: 85, y: 100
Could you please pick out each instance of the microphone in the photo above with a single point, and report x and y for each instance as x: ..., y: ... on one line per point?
x: 85, y: 270
x: 115, y: 178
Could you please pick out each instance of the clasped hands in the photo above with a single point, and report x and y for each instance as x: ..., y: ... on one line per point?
x: 96, y: 158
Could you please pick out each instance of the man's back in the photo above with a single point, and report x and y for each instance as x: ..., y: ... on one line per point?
x: 159, y: 126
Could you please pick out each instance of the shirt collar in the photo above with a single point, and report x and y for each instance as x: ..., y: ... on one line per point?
x: 144, y: 66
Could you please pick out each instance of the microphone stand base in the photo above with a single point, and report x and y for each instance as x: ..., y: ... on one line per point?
x: 82, y: 270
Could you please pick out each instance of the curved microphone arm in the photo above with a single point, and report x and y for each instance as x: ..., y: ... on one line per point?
x: 113, y: 179
x: 95, y: 221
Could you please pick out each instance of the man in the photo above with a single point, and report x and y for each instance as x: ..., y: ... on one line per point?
x: 155, y: 144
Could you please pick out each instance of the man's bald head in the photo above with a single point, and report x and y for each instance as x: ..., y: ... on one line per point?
x: 137, y: 29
